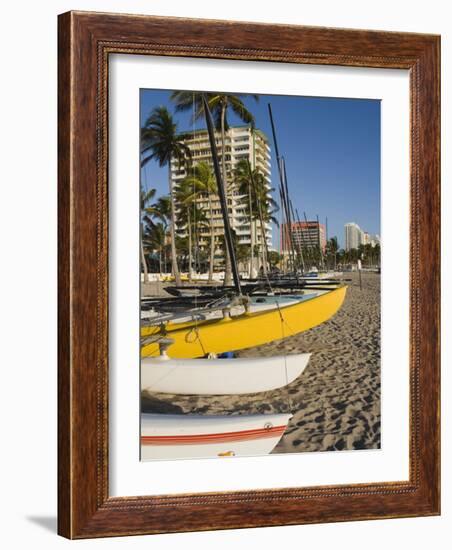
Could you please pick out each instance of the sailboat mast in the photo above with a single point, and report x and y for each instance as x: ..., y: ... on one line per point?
x: 221, y: 195
x: 298, y: 244
x: 286, y: 206
x: 305, y: 243
x: 312, y: 249
x: 326, y: 239
x: 299, y: 249
x: 283, y: 233
x: 282, y: 190
x: 320, y: 245
x: 289, y: 215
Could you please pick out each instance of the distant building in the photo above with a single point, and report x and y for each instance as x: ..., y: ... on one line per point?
x: 307, y: 234
x: 365, y: 237
x: 374, y: 240
x: 353, y: 235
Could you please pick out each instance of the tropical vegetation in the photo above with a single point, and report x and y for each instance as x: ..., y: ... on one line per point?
x: 160, y: 141
x: 181, y: 228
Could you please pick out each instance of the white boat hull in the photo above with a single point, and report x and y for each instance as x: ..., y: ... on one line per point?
x: 220, y: 376
x: 166, y: 437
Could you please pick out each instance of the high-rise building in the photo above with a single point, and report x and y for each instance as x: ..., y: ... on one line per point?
x: 353, y: 235
x: 240, y: 143
x: 307, y: 234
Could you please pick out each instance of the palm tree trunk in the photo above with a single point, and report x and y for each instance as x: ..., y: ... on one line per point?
x: 143, y: 260
x: 227, y: 259
x: 252, y: 244
x: 212, y: 242
x: 264, y: 249
x: 174, y: 266
x: 190, y: 259
x: 251, y: 234
x: 263, y: 237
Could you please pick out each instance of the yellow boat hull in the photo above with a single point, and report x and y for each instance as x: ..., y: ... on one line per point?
x: 245, y: 330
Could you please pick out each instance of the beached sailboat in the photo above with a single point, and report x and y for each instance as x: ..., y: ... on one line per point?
x: 220, y: 376
x: 169, y: 311
x: 202, y: 334
x: 202, y: 436
x: 198, y: 338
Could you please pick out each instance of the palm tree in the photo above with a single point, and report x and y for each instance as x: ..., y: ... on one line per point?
x: 162, y: 211
x: 241, y: 253
x: 266, y: 208
x: 203, y: 182
x: 200, y: 224
x: 243, y: 182
x: 377, y: 254
x: 160, y: 141
x: 219, y: 103
x: 261, y: 206
x: 154, y: 239
x: 274, y: 259
x: 333, y: 247
x: 145, y: 199
x: 189, y: 214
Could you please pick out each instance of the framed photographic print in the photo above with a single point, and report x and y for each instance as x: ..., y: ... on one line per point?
x: 248, y: 275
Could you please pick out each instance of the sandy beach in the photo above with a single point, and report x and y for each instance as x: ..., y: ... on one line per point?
x: 336, y: 401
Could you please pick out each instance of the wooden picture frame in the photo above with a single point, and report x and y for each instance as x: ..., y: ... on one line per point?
x: 86, y: 40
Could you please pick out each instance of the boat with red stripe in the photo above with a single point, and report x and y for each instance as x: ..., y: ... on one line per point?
x: 203, y: 436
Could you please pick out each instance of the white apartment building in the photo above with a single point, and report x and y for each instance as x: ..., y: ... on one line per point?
x: 241, y: 143
x: 353, y: 235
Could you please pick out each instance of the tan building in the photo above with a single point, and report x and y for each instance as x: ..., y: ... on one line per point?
x: 241, y: 143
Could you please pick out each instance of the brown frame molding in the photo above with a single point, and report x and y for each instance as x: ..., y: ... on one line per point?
x: 84, y: 44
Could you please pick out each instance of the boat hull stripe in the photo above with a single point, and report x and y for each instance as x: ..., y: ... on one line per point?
x: 196, y: 439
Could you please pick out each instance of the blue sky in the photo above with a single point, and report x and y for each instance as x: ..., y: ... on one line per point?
x: 331, y: 147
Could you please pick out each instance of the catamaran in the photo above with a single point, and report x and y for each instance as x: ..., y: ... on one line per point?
x: 237, y: 320
x: 198, y: 338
